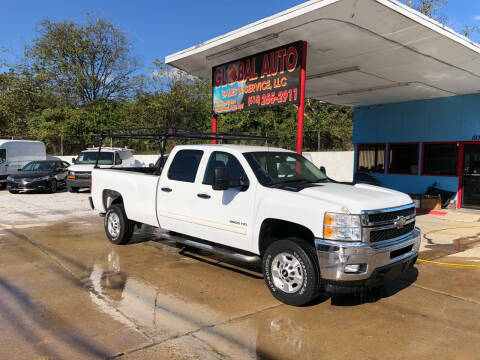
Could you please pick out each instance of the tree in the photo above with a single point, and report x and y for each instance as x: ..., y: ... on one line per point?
x: 429, y: 8
x: 469, y: 30
x: 84, y: 63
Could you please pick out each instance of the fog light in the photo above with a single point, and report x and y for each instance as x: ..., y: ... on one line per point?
x: 355, y: 269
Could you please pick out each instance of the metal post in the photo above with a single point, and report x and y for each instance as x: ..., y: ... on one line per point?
x: 318, y: 141
x: 214, y: 126
x: 301, y: 107
x: 100, y: 142
x: 61, y: 144
x: 460, y: 165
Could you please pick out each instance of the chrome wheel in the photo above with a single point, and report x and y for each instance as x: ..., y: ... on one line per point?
x: 287, y: 273
x: 113, y: 224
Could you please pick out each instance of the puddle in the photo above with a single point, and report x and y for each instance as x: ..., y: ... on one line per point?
x: 460, y: 244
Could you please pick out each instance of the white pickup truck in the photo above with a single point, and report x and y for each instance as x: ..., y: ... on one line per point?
x: 253, y: 203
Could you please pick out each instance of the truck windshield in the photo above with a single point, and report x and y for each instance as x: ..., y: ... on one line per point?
x: 276, y: 168
x: 3, y: 155
x: 90, y: 157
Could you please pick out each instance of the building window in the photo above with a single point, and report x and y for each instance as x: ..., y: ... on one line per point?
x: 403, y: 159
x: 371, y: 158
x: 440, y: 159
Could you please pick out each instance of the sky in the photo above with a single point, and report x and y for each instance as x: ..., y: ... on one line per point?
x: 162, y: 27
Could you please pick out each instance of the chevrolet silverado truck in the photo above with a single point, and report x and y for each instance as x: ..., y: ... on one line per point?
x: 253, y: 203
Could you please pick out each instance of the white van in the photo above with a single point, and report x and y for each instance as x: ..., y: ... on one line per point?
x: 79, y: 173
x: 15, y: 154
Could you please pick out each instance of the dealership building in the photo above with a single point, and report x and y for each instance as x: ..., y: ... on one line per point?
x: 414, y: 85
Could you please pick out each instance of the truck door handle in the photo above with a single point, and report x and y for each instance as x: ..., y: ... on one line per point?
x: 203, y: 196
x: 166, y: 189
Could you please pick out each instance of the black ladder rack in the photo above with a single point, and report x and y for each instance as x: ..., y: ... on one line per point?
x: 163, y: 134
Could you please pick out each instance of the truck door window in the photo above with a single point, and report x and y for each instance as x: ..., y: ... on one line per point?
x: 118, y: 160
x: 222, y: 159
x: 3, y: 155
x: 185, y: 165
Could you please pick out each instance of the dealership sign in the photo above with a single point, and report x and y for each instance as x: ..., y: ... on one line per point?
x: 270, y: 78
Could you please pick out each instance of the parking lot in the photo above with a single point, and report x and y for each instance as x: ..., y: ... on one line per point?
x: 66, y: 292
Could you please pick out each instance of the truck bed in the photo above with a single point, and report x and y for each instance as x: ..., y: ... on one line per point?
x: 137, y: 186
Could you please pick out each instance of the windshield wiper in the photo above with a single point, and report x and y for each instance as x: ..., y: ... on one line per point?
x: 300, y: 181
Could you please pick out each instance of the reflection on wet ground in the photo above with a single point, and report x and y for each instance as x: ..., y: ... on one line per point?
x: 437, y: 246
x: 65, y: 292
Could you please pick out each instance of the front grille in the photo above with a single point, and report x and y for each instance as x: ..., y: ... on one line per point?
x: 381, y: 235
x: 82, y: 175
x: 390, y: 216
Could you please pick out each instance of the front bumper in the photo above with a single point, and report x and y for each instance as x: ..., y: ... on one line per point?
x: 79, y: 183
x: 380, y: 263
x: 41, y: 185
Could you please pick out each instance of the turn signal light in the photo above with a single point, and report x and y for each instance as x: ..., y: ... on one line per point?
x: 71, y: 177
x: 328, y: 232
x: 328, y: 219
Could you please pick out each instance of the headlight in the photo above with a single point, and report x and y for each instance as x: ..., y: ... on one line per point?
x: 342, y: 227
x: 72, y: 173
x: 9, y: 178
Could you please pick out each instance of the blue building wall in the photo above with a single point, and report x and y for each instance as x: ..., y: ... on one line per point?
x: 447, y: 119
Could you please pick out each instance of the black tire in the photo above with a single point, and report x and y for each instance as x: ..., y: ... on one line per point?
x: 13, y: 191
x: 53, y: 186
x: 304, y: 253
x: 72, y: 189
x: 124, y: 227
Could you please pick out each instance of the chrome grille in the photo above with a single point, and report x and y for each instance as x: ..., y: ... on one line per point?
x: 390, y: 216
x: 392, y: 233
x: 387, y: 224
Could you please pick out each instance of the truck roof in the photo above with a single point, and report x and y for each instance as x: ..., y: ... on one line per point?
x: 9, y: 141
x: 237, y: 148
x: 107, y: 148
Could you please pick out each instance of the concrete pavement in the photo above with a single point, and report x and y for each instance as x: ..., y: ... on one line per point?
x: 66, y: 292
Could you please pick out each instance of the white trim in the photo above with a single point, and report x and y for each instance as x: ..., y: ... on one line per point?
x: 239, y: 229
x: 251, y: 28
x: 430, y: 23
x: 314, y: 5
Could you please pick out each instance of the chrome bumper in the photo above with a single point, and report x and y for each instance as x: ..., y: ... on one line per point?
x: 333, y: 256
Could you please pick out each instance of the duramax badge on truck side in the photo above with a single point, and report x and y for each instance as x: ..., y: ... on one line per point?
x: 253, y: 203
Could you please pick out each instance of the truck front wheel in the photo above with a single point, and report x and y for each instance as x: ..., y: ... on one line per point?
x: 118, y: 227
x: 291, y: 271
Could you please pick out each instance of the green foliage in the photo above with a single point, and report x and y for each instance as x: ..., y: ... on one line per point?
x: 83, y: 63
x: 77, y: 79
x: 429, y: 7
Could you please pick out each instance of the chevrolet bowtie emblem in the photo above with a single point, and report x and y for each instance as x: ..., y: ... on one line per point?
x: 401, y: 222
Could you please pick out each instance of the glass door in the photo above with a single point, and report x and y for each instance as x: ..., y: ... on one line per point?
x: 471, y: 176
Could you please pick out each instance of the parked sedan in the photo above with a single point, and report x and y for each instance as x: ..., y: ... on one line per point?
x: 42, y: 175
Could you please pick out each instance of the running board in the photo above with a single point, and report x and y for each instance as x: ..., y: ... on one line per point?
x: 214, y: 249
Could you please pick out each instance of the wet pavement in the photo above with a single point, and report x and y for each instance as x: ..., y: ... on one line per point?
x: 66, y: 292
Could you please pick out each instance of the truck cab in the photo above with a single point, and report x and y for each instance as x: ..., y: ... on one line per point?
x: 79, y: 173
x: 272, y: 205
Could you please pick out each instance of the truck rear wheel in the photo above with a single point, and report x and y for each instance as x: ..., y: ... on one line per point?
x: 291, y: 271
x: 118, y: 227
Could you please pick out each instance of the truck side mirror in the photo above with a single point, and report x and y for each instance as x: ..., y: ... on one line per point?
x: 322, y: 169
x: 221, y: 180
x: 74, y: 161
x: 151, y: 165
